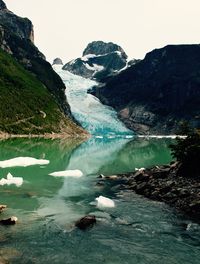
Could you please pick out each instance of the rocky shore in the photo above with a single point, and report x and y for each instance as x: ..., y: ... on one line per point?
x: 161, y: 183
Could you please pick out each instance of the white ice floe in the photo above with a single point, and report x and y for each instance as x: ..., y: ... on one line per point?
x: 18, y: 181
x: 22, y: 162
x: 141, y: 169
x: 129, y: 136
x: 161, y: 136
x: 104, y: 202
x: 67, y: 173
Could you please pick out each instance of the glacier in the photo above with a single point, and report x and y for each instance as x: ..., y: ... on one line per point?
x: 96, y: 118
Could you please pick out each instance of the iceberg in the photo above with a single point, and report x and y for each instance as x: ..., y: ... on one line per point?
x: 22, y: 162
x: 18, y: 181
x: 67, y: 173
x: 104, y: 202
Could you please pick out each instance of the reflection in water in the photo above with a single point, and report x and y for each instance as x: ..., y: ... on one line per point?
x: 135, y: 231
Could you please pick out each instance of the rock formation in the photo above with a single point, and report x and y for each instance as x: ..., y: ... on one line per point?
x: 86, y: 222
x: 155, y: 94
x: 17, y: 39
x: 99, y: 60
x: 57, y: 61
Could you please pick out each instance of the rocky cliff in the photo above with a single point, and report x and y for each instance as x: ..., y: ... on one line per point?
x: 99, y: 60
x: 17, y: 39
x: 57, y: 61
x: 155, y: 94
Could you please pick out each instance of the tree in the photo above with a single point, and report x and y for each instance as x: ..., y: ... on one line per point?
x: 187, y: 153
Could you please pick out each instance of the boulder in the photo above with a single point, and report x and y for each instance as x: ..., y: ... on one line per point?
x: 86, y: 222
x: 10, y: 221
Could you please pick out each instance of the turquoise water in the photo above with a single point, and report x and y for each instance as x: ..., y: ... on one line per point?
x: 136, y: 231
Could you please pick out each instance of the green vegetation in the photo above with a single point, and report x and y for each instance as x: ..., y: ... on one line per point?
x: 26, y: 106
x: 187, y: 153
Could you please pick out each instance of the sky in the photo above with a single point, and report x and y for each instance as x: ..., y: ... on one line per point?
x: 63, y: 28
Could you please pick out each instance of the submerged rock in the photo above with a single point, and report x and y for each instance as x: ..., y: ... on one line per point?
x: 10, y: 221
x: 86, y: 222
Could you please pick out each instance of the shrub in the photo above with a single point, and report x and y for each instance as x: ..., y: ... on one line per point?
x: 187, y: 153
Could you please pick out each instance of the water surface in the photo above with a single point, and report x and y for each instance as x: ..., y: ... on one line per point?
x: 136, y: 231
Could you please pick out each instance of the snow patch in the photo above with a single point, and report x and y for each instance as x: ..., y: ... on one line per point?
x: 67, y: 173
x: 18, y: 181
x: 22, y: 162
x: 104, y: 202
x: 88, y: 56
x: 94, y: 67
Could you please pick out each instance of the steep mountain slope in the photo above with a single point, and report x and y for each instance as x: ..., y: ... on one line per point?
x: 155, y: 94
x: 99, y: 60
x: 26, y: 105
x: 16, y: 39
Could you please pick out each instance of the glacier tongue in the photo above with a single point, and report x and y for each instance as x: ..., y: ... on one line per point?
x: 95, y: 117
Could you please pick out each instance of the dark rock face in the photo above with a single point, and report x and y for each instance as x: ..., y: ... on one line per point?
x: 155, y: 94
x: 2, y: 5
x: 57, y: 61
x: 102, y: 48
x: 99, y: 60
x: 22, y: 27
x: 86, y: 222
x: 163, y: 184
x: 16, y: 38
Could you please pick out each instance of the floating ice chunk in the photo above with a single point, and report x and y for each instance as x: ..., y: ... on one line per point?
x: 141, y: 169
x: 22, y: 162
x: 129, y: 136
x: 99, y: 136
x: 18, y: 181
x: 67, y: 173
x: 104, y: 202
x: 162, y: 136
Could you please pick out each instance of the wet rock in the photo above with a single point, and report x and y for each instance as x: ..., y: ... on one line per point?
x: 163, y: 184
x: 86, y: 222
x: 10, y: 221
x: 2, y: 207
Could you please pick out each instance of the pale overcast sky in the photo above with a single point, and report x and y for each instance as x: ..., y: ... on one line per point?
x: 63, y: 28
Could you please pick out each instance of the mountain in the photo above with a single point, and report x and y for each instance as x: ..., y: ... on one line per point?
x: 29, y: 87
x: 157, y: 93
x: 99, y: 60
x: 57, y: 61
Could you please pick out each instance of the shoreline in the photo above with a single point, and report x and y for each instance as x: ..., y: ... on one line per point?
x: 161, y: 183
x: 45, y: 136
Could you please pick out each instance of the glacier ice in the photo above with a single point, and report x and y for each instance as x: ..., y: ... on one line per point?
x: 22, y: 162
x: 104, y: 202
x: 18, y: 181
x: 67, y: 173
x: 95, y: 117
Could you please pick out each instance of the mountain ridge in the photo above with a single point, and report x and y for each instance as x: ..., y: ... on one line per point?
x: 158, y: 92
